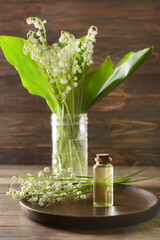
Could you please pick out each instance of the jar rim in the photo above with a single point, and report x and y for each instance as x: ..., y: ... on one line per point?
x: 66, y: 114
x: 66, y: 118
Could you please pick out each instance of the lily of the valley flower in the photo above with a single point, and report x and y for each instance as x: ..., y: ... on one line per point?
x: 64, y: 62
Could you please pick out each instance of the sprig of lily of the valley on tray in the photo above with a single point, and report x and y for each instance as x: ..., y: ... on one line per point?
x: 92, y: 85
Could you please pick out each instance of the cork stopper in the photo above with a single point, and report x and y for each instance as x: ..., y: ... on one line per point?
x: 103, y: 158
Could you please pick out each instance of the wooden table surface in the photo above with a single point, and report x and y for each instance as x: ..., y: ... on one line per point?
x: 14, y: 225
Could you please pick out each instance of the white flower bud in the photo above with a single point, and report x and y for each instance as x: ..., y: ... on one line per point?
x: 41, y: 175
x: 79, y: 185
x: 52, y: 81
x: 61, y: 64
x: 44, y: 197
x: 58, y: 176
x: 69, y: 76
x: 66, y: 81
x: 14, y: 196
x: 62, y: 81
x: 39, y: 33
x: 36, y: 192
x: 70, y: 186
x: 20, y: 180
x: 63, y: 171
x: 23, y: 189
x: 70, y: 170
x: 59, y: 54
x: 46, y: 169
x: 72, y: 175
x: 50, y: 194
x: 29, y: 174
x: 18, y: 193
x: 29, y: 21
x: 40, y: 203
x: 57, y: 70
x: 68, y: 88
x: 75, y: 84
x: 52, y: 178
x: 82, y: 196
x: 21, y: 194
x: 42, y: 39
x: 8, y: 194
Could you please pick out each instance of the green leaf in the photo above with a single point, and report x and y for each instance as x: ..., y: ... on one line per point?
x: 32, y: 79
x: 93, y: 86
x: 94, y: 81
x: 124, y: 58
x: 123, y: 70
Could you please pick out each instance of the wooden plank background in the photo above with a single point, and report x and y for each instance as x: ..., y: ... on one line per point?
x: 125, y: 123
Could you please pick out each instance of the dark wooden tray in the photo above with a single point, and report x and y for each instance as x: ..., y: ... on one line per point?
x: 131, y: 206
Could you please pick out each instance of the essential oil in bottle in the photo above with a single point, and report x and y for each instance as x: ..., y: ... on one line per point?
x: 103, y: 181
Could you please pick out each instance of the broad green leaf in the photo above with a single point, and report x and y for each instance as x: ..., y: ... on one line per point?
x: 94, y: 81
x: 93, y: 86
x: 123, y: 70
x: 32, y: 79
x: 124, y: 58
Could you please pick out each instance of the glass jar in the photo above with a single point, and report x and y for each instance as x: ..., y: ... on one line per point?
x: 70, y: 143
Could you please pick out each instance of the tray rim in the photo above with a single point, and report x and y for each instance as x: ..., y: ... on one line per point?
x: 153, y: 206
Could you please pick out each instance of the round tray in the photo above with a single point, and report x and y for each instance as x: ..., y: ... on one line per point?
x: 131, y: 206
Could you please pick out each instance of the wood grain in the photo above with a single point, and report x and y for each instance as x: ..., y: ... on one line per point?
x: 125, y: 123
x: 15, y: 226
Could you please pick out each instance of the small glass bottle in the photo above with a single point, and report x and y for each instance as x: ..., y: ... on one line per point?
x: 103, y: 173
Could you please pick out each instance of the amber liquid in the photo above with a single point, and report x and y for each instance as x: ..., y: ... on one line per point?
x: 103, y: 197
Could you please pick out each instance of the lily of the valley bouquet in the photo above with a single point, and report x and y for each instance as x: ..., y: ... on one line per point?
x: 60, y: 74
